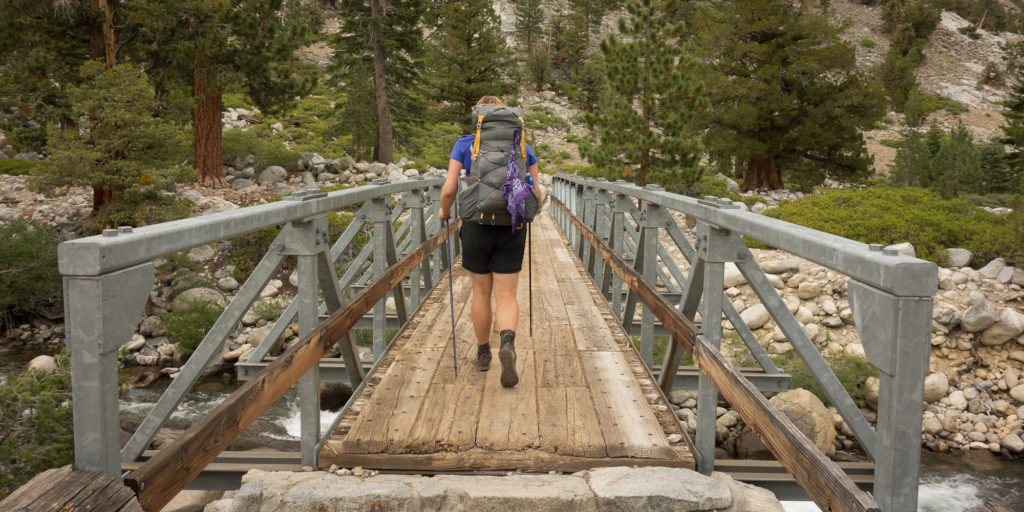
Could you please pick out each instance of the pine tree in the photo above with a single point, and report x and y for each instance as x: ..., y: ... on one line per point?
x: 120, y: 145
x: 642, y: 123
x: 1013, y: 135
x: 469, y: 58
x: 959, y: 165
x: 42, y: 45
x: 913, y: 160
x: 386, y: 39
x: 207, y: 45
x: 786, y: 97
x: 529, y: 24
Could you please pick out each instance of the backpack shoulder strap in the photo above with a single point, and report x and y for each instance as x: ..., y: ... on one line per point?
x: 476, y: 141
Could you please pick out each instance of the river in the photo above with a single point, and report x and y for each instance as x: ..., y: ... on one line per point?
x: 947, y: 484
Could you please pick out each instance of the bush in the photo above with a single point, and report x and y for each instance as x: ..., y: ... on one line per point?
x: 29, y: 278
x: 187, y: 326
x: 247, y: 250
x: 139, y: 208
x: 35, y: 424
x: 852, y: 372
x: 16, y: 167
x: 889, y: 215
x: 867, y: 43
x: 238, y: 144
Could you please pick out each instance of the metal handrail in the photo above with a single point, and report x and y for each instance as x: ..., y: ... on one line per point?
x: 889, y: 293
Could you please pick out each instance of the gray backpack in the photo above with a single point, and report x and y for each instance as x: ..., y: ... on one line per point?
x: 481, y: 193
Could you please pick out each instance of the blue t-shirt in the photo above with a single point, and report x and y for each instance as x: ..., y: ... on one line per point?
x: 463, y: 152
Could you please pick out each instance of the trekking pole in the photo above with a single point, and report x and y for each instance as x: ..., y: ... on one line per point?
x: 451, y: 294
x: 529, y: 242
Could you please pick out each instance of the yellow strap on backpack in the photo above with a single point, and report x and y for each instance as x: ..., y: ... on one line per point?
x: 476, y: 142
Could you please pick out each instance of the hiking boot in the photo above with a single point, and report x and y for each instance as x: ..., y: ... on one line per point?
x: 507, y: 357
x: 483, y: 357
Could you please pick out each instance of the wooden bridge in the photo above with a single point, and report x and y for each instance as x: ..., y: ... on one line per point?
x: 578, y: 369
x: 587, y: 396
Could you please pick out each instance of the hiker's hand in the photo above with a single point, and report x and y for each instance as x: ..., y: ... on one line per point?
x: 444, y: 214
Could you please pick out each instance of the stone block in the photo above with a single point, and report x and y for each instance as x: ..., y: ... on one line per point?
x: 656, y: 489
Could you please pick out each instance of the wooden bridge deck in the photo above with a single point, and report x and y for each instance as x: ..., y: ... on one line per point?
x: 585, y: 399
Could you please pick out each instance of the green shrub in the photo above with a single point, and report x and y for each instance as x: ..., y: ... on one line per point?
x: 29, y: 278
x: 852, y: 372
x: 237, y: 144
x: 16, y: 167
x: 35, y: 424
x: 892, y: 143
x: 187, y: 326
x: 268, y: 309
x: 140, y: 207
x: 867, y: 43
x: 247, y: 250
x: 541, y: 118
x: 889, y: 215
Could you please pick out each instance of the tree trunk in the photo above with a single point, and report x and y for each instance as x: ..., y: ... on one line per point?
x: 103, y: 46
x: 762, y: 172
x: 206, y: 126
x: 384, y: 150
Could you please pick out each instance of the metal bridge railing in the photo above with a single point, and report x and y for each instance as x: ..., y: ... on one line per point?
x: 890, y: 295
x: 108, y: 278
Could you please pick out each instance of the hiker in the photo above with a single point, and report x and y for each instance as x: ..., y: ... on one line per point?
x: 492, y: 250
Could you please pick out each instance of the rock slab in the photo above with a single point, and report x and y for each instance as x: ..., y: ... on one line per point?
x: 607, y: 489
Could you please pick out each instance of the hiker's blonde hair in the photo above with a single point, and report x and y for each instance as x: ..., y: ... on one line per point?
x: 491, y: 100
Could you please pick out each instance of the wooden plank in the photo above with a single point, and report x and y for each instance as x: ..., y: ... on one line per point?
x: 568, y: 423
x: 67, y: 489
x: 817, y: 475
x: 166, y: 474
x: 508, y: 416
x: 628, y: 423
x: 486, y: 460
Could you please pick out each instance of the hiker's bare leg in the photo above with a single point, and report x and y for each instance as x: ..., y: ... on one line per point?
x: 481, y: 308
x: 505, y: 286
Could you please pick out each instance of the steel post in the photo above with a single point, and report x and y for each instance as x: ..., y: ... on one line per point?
x: 708, y: 237
x: 650, y: 224
x: 896, y: 333
x: 101, y: 313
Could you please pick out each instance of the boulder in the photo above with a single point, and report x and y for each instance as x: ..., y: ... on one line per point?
x: 333, y: 395
x: 780, y: 266
x: 202, y: 253
x: 377, y: 168
x: 992, y: 269
x: 730, y: 184
x: 1009, y: 326
x: 273, y: 175
x: 1013, y: 443
x: 755, y: 316
x: 732, y: 276
x: 196, y: 295
x: 1018, y: 277
x: 957, y: 257
x: 748, y: 498
x: 904, y: 248
x: 396, y: 176
x: 241, y: 183
x: 931, y: 425
x: 806, y: 412
x: 1017, y: 393
x: 192, y: 501
x: 42, y: 363
x: 979, y: 317
x: 808, y: 290
x: 656, y: 489
x: 936, y: 386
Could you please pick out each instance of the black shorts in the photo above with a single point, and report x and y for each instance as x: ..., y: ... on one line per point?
x: 487, y: 249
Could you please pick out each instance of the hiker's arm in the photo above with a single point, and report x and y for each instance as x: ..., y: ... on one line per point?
x: 536, y: 183
x: 450, y: 188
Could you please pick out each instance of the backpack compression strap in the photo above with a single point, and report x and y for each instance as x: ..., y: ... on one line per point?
x: 476, y: 142
x: 521, y: 120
